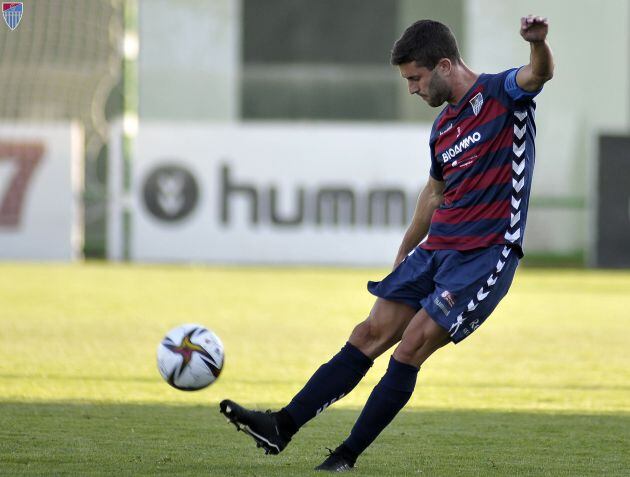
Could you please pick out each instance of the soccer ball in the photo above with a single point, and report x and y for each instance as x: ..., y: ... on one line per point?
x: 190, y: 357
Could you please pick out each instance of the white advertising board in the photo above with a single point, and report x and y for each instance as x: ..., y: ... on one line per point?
x: 272, y: 193
x: 41, y: 184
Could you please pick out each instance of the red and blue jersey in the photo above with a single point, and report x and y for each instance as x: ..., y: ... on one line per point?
x: 483, y: 150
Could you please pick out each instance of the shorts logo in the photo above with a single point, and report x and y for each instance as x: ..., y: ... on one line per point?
x: 477, y: 103
x: 449, y: 298
x: 12, y: 13
x: 447, y: 303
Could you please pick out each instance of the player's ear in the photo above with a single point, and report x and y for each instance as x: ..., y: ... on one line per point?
x: 445, y: 66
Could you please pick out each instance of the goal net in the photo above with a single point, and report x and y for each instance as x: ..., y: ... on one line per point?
x: 64, y: 62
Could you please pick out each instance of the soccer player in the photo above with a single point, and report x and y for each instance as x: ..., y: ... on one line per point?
x: 459, y: 254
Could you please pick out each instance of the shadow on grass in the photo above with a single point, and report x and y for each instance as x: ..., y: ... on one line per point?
x: 291, y: 381
x: 110, y: 439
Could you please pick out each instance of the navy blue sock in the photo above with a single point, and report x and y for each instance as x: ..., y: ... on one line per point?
x: 388, y: 397
x: 330, y: 383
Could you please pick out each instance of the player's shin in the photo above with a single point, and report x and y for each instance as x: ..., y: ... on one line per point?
x: 388, y: 397
x: 331, y: 382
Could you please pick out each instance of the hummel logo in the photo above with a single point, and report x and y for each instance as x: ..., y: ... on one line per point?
x: 450, y: 126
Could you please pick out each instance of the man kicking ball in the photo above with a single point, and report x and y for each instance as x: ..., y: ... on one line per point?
x: 458, y: 256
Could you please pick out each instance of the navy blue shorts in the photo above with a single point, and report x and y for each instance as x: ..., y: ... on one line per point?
x: 458, y: 290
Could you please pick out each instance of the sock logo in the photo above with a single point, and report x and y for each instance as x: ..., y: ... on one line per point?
x: 334, y: 400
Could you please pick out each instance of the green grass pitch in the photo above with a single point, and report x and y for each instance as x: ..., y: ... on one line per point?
x: 542, y: 388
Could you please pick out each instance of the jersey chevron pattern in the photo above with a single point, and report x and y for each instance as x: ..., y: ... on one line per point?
x: 483, y: 150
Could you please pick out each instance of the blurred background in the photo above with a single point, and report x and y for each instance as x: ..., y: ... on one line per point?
x: 248, y: 131
x: 275, y: 132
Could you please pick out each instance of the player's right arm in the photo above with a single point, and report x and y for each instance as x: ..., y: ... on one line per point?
x: 429, y: 199
x: 533, y: 76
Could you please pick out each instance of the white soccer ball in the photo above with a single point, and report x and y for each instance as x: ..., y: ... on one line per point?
x: 190, y: 357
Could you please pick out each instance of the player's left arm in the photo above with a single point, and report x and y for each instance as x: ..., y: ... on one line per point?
x: 533, y: 76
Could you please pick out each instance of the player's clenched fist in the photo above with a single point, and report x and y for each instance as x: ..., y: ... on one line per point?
x: 534, y: 28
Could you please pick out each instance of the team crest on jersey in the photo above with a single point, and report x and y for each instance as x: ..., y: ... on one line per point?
x: 12, y: 13
x: 477, y: 103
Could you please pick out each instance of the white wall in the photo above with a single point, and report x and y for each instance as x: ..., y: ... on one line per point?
x: 189, y: 59
x: 41, y: 186
x: 285, y: 157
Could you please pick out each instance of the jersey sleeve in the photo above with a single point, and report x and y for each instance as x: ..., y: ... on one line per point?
x: 436, y: 168
x: 512, y: 88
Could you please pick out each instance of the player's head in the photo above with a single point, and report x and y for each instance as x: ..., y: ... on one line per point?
x: 426, y: 53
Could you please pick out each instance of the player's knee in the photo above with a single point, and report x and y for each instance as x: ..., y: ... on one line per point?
x: 414, y: 349
x: 362, y: 335
x: 407, y: 350
x: 368, y: 336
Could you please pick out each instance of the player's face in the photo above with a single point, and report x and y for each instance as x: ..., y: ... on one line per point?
x: 426, y: 83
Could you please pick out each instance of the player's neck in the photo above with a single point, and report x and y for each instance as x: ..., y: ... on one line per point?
x: 463, y: 79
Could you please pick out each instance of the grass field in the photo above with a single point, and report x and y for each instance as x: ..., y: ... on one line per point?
x: 543, y: 388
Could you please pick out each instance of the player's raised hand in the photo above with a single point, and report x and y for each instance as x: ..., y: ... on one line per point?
x: 534, y: 28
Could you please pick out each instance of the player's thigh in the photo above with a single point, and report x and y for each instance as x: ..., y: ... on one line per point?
x: 383, y: 327
x: 422, y: 337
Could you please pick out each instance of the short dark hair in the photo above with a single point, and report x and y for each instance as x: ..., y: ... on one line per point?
x: 426, y: 42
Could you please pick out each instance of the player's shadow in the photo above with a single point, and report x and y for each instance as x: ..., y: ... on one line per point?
x: 122, y: 439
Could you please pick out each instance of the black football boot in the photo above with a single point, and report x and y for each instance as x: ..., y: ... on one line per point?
x: 339, y: 460
x: 261, y: 426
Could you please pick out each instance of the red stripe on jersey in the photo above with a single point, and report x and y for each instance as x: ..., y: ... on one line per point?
x: 462, y: 242
x: 504, y: 139
x: 494, y: 210
x: 483, y: 180
x: 441, y: 123
x: 492, y: 109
